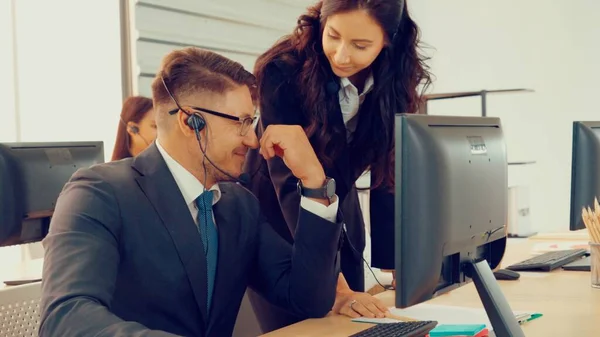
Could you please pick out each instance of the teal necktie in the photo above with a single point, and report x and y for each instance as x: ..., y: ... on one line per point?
x: 210, y: 240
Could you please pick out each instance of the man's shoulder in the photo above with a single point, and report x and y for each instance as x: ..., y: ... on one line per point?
x: 239, y: 196
x: 113, y: 173
x: 238, y: 191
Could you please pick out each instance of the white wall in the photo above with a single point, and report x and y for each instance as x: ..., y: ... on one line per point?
x: 8, y: 255
x: 7, y: 93
x: 68, y: 74
x: 69, y: 70
x: 238, y: 29
x: 547, y: 45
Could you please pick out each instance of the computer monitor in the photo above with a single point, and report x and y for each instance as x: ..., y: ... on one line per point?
x: 585, y: 170
x: 451, y: 198
x: 32, y: 176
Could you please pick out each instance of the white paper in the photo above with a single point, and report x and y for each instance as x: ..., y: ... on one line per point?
x: 375, y: 320
x: 553, y: 246
x: 445, y: 314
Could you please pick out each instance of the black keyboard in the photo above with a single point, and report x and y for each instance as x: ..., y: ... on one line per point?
x: 549, y: 261
x: 400, y: 329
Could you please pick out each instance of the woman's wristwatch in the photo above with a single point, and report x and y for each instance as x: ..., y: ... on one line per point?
x: 327, y: 191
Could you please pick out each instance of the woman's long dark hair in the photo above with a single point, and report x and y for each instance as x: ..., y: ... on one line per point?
x: 398, y: 71
x: 134, y: 109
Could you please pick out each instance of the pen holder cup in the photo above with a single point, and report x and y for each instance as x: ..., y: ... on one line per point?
x: 595, y: 264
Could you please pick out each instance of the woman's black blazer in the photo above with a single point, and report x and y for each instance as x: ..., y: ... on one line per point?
x: 276, y: 187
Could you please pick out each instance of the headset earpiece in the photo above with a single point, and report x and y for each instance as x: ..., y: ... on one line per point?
x: 196, y: 122
x: 134, y: 129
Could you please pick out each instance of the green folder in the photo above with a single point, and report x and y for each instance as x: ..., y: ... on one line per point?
x: 445, y: 330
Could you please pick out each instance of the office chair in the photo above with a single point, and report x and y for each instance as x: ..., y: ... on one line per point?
x: 19, y: 310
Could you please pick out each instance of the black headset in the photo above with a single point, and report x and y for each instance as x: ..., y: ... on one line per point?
x: 134, y: 129
x: 197, y: 123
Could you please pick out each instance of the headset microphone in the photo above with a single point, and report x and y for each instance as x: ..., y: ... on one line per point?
x: 244, y: 178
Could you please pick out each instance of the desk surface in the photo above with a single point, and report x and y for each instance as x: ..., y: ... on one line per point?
x: 569, y: 304
x: 31, y: 269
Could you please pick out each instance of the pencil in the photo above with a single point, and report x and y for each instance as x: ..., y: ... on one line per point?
x: 591, y: 219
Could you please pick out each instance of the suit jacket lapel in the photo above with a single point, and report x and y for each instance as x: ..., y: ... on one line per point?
x: 161, y: 190
x: 341, y: 166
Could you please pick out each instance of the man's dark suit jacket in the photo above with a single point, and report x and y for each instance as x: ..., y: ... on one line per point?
x: 124, y: 257
x: 275, y: 186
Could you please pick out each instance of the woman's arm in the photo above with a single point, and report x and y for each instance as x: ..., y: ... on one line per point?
x: 279, y: 105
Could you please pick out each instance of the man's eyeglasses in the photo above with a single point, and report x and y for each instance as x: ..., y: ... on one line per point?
x: 245, y: 122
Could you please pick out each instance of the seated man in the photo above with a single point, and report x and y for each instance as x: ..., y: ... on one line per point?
x: 156, y: 246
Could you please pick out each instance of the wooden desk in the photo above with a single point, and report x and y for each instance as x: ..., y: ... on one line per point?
x: 30, y: 270
x: 571, y: 307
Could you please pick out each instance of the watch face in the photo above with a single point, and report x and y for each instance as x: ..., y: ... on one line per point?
x: 326, y: 191
x: 330, y: 187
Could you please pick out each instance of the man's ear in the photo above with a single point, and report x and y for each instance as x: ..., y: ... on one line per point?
x: 182, y: 119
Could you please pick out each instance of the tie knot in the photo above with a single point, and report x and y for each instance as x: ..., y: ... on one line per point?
x: 204, y: 201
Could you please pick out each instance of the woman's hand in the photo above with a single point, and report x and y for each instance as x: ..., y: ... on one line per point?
x: 355, y: 304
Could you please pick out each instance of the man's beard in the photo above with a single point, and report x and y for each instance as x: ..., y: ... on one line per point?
x: 210, y: 173
x: 215, y: 174
x: 218, y: 173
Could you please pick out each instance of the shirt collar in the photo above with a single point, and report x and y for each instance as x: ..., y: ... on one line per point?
x: 369, y: 82
x: 191, y: 188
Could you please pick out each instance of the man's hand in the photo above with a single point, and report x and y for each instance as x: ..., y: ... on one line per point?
x: 355, y: 304
x: 291, y: 144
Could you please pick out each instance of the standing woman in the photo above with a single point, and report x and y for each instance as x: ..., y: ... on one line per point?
x: 137, y: 127
x: 348, y: 67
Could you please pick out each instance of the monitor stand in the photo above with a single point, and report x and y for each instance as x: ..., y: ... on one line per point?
x: 499, y: 312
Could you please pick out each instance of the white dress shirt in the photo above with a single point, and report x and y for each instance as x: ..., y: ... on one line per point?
x: 351, y: 100
x: 191, y: 189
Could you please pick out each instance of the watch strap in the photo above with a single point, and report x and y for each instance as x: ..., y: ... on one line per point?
x: 326, y: 191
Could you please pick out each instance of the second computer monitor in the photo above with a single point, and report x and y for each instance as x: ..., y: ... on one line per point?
x: 585, y: 170
x: 32, y: 176
x: 451, y: 191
